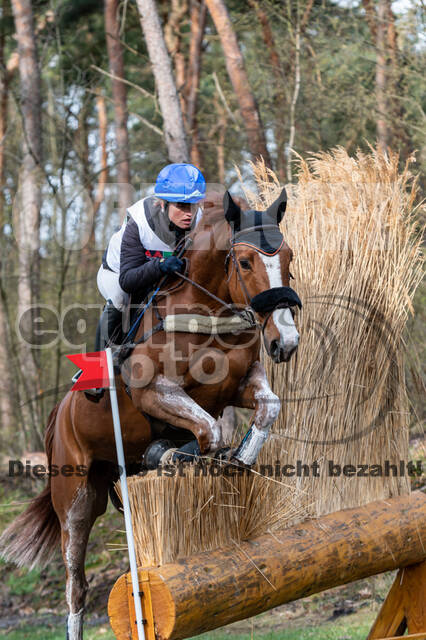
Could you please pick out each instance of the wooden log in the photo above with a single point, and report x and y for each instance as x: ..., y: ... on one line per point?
x: 212, y: 589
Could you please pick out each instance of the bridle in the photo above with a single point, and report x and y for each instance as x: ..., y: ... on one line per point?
x: 248, y: 312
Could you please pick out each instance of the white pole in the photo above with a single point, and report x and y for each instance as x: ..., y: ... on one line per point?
x: 125, y: 495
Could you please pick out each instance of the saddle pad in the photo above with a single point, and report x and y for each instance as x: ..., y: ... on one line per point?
x: 195, y: 323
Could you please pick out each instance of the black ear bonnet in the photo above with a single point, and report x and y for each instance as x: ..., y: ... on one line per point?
x: 258, y: 229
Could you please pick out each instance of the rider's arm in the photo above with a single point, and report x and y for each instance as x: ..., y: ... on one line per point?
x: 137, y: 272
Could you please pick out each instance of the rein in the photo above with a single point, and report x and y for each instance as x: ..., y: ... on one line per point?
x: 240, y: 277
x: 246, y: 314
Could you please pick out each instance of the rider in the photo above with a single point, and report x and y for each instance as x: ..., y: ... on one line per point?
x: 140, y: 252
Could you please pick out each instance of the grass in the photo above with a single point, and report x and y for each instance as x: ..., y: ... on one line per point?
x: 349, y: 628
x: 42, y: 633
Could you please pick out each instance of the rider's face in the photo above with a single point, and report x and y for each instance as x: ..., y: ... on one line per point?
x: 181, y: 213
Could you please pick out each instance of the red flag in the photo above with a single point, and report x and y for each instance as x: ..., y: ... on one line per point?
x: 94, y: 370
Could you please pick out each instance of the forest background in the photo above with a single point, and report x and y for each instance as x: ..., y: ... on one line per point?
x: 96, y: 97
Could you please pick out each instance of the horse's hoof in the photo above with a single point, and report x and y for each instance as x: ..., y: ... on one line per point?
x: 155, y: 453
x: 238, y: 463
x: 223, y: 454
x: 189, y: 452
x: 115, y: 500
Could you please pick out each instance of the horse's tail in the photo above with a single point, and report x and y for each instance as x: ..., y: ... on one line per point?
x: 32, y: 538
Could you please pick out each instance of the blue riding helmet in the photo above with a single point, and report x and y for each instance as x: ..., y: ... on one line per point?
x: 180, y: 183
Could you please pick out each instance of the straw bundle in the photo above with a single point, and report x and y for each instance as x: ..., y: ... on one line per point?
x: 177, y: 516
x: 356, y: 266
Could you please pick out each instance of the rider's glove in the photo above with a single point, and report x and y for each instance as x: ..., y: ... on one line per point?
x: 171, y: 264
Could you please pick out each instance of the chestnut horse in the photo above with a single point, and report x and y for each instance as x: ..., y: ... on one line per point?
x: 182, y: 379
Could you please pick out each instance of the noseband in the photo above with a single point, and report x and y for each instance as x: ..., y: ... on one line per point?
x: 271, y: 299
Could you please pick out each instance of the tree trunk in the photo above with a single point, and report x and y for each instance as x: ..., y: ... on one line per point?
x: 4, y: 88
x: 268, y: 37
x: 28, y: 202
x: 103, y: 174
x: 6, y: 404
x: 390, y: 110
x: 370, y: 16
x: 279, y: 97
x: 198, y: 24
x: 398, y: 135
x: 119, y: 94
x: 173, y: 40
x: 88, y: 261
x: 174, y: 130
x: 238, y: 76
x: 293, y: 103
x: 382, y: 115
x: 220, y: 132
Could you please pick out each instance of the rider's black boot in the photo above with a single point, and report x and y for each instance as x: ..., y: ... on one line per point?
x: 108, y: 332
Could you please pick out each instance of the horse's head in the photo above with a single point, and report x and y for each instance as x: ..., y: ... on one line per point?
x: 260, y: 260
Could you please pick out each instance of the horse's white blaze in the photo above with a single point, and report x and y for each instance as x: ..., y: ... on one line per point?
x: 289, y: 335
x: 273, y: 269
x: 282, y: 318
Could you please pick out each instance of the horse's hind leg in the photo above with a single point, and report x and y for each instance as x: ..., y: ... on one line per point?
x: 78, y: 501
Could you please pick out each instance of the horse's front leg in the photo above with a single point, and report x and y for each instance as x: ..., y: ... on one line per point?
x: 167, y: 401
x: 255, y: 393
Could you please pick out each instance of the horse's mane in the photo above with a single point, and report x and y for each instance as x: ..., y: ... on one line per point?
x: 213, y: 210
x: 213, y: 215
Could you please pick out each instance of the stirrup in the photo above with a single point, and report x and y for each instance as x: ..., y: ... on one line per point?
x: 91, y: 394
x: 76, y: 376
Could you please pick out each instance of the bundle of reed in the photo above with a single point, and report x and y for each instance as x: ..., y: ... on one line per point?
x: 357, y: 263
x: 201, y: 508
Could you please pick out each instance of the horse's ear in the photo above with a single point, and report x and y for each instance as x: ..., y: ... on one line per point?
x: 232, y: 210
x: 277, y: 208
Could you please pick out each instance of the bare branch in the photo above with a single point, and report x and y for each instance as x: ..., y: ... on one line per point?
x: 143, y: 91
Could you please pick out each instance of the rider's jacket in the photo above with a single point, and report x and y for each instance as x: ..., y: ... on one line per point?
x: 144, y: 238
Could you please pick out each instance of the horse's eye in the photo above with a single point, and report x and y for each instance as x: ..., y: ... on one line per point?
x: 245, y: 264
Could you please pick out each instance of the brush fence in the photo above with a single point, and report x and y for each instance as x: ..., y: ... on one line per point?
x: 343, y: 426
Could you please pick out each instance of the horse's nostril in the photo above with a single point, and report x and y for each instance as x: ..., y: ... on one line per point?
x: 279, y: 353
x: 275, y: 348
